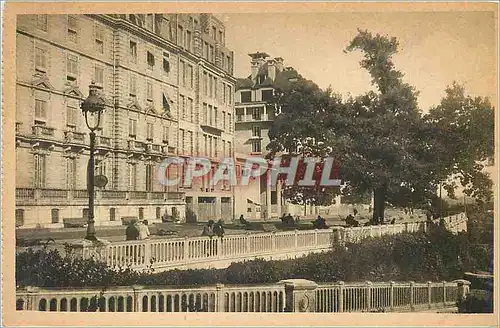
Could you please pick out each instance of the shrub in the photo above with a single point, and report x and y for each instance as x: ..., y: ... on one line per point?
x: 477, y: 301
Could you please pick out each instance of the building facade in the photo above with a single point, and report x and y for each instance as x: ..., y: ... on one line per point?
x: 168, y: 87
x: 255, y: 111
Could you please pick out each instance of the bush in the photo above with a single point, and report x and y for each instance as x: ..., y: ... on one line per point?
x: 478, y: 301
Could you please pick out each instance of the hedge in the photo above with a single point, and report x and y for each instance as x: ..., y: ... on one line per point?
x: 418, y: 257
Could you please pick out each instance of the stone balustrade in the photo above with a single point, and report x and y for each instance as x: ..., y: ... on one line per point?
x: 205, y: 252
x: 30, y: 195
x: 294, y: 295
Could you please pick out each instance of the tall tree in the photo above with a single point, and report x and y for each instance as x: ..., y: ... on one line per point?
x: 298, y: 131
x: 386, y: 153
x: 463, y: 131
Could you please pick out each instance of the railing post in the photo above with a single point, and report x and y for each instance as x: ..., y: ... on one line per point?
x: 147, y: 252
x: 463, y: 289
x: 368, y: 295
x: 273, y: 240
x: 316, y: 237
x: 412, y: 300
x: 444, y: 293
x: 406, y: 227
x: 247, y: 240
x: 219, y: 303
x: 300, y: 295
x: 296, y: 239
x: 32, y: 299
x: 391, y: 296
x: 371, y: 230
x: 136, y: 292
x: 341, y: 296
x: 186, y: 248
x: 429, y: 293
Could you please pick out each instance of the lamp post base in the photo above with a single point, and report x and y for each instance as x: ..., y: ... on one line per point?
x: 91, y: 238
x: 95, y: 248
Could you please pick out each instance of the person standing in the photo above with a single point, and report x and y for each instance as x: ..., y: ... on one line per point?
x: 132, y: 231
x: 143, y: 230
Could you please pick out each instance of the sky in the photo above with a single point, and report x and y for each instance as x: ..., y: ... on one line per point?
x: 436, y: 48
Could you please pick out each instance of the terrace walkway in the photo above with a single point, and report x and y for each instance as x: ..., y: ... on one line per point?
x: 205, y: 252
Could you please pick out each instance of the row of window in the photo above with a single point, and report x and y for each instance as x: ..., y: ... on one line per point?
x: 55, y: 215
x: 246, y: 96
x: 72, y: 66
x: 210, y: 117
x: 210, y: 88
x: 256, y: 112
x: 150, y: 131
x: 72, y: 114
x: 40, y: 171
x: 73, y: 31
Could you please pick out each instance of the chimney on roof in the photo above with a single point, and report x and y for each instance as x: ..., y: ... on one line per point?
x: 271, y: 69
x: 279, y: 64
x: 258, y: 59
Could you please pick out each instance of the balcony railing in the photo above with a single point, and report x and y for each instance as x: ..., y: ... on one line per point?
x: 138, y: 195
x: 136, y: 145
x: 25, y: 193
x: 114, y: 194
x: 175, y: 195
x: 72, y: 136
x: 103, y: 141
x: 53, y: 193
x: 42, y: 131
x: 82, y: 193
x: 157, y: 195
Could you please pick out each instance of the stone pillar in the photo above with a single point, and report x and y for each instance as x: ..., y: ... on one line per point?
x: 91, y: 249
x: 186, y: 248
x: 219, y: 302
x: 463, y: 288
x: 429, y: 293
x: 278, y: 198
x: 137, y: 298
x: 341, y: 296
x: 444, y: 293
x: 368, y: 295
x: 412, y: 300
x: 300, y: 295
x: 32, y: 299
x: 391, y: 296
x: 268, y: 196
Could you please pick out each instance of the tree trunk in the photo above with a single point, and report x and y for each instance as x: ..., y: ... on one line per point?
x: 379, y: 204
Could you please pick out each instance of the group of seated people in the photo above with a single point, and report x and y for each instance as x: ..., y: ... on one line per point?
x: 213, y: 229
x: 319, y: 223
x: 289, y: 220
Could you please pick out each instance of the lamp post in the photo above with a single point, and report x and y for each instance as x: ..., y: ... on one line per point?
x: 92, y: 108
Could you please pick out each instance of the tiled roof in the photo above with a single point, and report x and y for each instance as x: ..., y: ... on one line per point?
x: 281, y: 80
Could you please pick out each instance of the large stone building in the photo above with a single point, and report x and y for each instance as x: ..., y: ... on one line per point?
x: 255, y: 110
x: 168, y: 86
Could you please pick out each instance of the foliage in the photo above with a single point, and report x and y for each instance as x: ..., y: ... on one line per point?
x: 383, y: 142
x: 463, y: 133
x: 297, y: 131
x: 477, y: 301
x: 437, y: 256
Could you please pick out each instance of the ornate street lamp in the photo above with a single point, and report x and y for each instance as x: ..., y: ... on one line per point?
x: 92, y: 108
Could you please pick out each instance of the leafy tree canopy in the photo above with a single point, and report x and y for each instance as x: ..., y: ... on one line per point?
x: 383, y: 142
